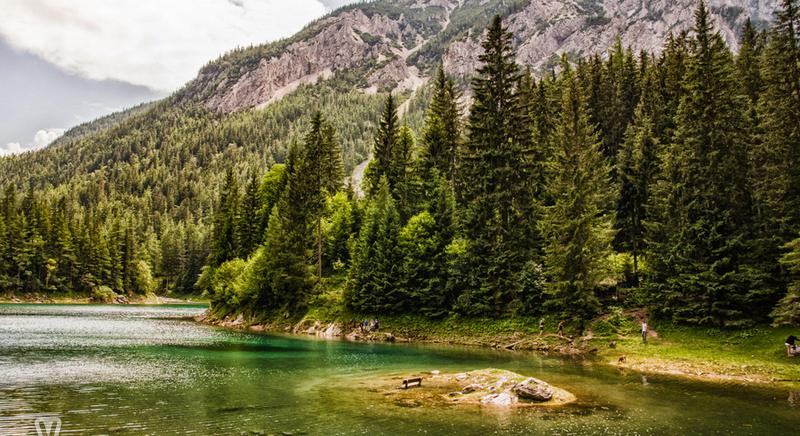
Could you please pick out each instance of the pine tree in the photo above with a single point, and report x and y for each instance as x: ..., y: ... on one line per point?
x: 225, y: 219
x: 323, y: 161
x: 406, y: 185
x: 278, y: 276
x: 637, y: 167
x: 623, y: 94
x: 788, y: 309
x: 5, y: 248
x: 441, y: 135
x: 702, y: 273
x: 272, y: 186
x: 248, y: 228
x: 373, y: 282
x: 577, y: 228
x: 671, y: 73
x: 777, y: 157
x: 748, y: 66
x: 62, y: 248
x: 497, y: 204
x: 384, y: 151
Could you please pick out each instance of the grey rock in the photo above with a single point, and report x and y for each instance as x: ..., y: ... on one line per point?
x: 534, y: 390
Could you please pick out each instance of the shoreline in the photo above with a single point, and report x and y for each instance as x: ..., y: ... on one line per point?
x: 622, y: 356
x: 36, y: 298
x: 620, y: 352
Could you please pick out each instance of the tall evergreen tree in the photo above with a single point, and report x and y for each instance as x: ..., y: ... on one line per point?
x: 497, y: 204
x: 748, y: 67
x: 787, y: 311
x: 778, y: 155
x: 323, y: 161
x: 441, y: 135
x: 702, y: 273
x: 248, y: 228
x: 577, y: 227
x: 373, y: 283
x: 384, y: 148
x: 279, y: 275
x: 225, y: 219
x: 406, y: 185
x: 637, y: 167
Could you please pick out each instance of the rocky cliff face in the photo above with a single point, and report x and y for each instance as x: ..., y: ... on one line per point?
x: 547, y: 28
x: 393, y: 44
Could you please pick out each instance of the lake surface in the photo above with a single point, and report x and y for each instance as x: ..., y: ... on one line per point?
x: 152, y: 370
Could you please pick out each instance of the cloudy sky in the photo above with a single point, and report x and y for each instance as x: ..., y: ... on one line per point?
x: 66, y: 62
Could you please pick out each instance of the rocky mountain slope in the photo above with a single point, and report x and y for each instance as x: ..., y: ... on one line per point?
x: 394, y: 45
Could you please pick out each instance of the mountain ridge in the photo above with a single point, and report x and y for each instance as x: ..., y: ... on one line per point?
x: 395, y: 45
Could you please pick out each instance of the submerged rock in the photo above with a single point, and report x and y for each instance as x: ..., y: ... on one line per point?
x: 502, y: 399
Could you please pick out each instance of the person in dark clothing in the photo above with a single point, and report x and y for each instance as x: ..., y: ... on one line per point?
x: 791, y: 346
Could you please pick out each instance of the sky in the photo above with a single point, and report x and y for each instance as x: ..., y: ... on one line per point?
x: 67, y: 62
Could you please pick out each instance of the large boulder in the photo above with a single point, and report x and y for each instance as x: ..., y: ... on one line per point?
x: 534, y: 390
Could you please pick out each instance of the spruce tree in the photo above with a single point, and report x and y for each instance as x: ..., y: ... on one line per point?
x: 405, y: 191
x: 702, y: 272
x: 323, y: 161
x: 248, y: 228
x: 441, y: 135
x: 637, y: 167
x: 272, y: 186
x: 787, y: 311
x: 497, y: 204
x: 224, y: 239
x: 384, y: 148
x: 373, y: 282
x: 748, y: 68
x: 5, y: 274
x: 577, y: 227
x: 777, y: 157
x: 278, y: 275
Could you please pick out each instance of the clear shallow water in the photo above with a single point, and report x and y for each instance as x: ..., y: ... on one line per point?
x: 151, y: 370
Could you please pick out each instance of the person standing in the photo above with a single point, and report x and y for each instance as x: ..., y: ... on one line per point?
x: 541, y: 326
x: 644, y: 331
x: 561, y: 329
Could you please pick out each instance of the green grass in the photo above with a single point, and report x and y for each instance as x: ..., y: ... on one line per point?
x: 754, y: 353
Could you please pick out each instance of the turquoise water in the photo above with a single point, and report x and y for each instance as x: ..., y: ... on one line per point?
x: 152, y: 370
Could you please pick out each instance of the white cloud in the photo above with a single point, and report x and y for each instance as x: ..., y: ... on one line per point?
x: 11, y: 148
x: 156, y: 43
x: 41, y: 139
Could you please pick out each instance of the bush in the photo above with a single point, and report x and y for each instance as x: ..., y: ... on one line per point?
x: 103, y: 294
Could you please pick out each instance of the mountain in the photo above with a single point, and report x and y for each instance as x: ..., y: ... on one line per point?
x: 157, y: 169
x: 395, y: 45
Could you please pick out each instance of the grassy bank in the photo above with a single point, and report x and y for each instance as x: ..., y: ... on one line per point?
x: 752, y: 355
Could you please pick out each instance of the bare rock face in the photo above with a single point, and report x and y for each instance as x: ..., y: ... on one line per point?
x: 546, y: 29
x: 383, y: 38
x: 534, y: 390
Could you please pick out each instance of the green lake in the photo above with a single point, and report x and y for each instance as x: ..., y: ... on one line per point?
x: 153, y: 370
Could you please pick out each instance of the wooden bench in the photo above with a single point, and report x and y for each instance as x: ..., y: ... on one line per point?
x: 411, y: 382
